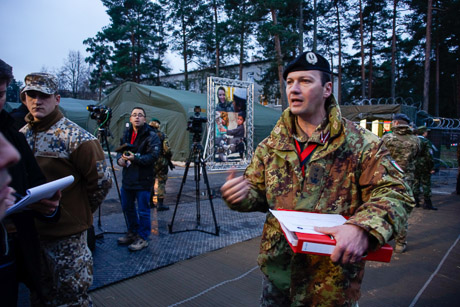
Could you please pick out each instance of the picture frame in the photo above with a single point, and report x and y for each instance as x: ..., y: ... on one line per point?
x: 230, y: 125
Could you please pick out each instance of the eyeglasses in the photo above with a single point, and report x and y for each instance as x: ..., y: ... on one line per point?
x: 137, y: 115
x: 36, y: 94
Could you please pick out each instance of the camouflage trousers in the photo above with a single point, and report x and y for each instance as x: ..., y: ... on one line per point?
x: 67, y: 272
x: 401, y: 236
x: 161, y: 174
x: 273, y: 297
x: 423, y: 183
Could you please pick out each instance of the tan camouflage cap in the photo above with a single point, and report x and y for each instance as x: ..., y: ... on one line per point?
x: 41, y: 82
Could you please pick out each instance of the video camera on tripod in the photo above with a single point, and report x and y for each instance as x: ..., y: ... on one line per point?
x: 101, y: 114
x: 195, y: 124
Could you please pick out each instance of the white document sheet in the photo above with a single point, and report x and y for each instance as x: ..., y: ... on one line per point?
x: 297, y: 221
x: 40, y: 192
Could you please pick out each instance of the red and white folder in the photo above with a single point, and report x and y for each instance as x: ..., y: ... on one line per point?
x: 320, y: 244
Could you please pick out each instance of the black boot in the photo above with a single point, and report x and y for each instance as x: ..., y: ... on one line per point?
x: 161, y: 206
x: 417, y: 202
x: 428, y: 205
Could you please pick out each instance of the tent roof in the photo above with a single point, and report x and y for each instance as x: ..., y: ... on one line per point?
x: 374, y: 112
x: 75, y: 110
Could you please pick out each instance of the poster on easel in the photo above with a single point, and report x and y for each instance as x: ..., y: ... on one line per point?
x: 230, y: 105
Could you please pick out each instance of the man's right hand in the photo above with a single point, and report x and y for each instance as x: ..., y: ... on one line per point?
x: 122, y: 162
x: 235, y: 189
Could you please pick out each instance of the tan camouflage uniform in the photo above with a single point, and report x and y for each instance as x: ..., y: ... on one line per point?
x: 63, y: 148
x: 351, y: 174
x: 161, y: 166
x: 404, y: 147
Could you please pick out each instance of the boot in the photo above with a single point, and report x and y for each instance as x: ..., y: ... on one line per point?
x: 161, y: 206
x: 428, y: 205
x: 417, y: 202
x: 400, y: 247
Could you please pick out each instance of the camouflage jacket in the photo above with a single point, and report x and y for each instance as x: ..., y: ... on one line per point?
x: 351, y: 174
x: 404, y: 147
x: 424, y: 163
x: 165, y: 154
x: 63, y: 148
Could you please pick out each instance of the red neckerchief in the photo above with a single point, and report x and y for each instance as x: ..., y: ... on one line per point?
x: 305, y: 154
x: 133, y: 137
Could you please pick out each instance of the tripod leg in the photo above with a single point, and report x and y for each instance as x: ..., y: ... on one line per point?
x: 104, y: 137
x: 206, y: 182
x: 197, y: 192
x: 184, y: 178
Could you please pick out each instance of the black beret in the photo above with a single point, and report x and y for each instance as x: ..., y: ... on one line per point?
x: 401, y: 116
x: 307, y: 61
x: 422, y: 129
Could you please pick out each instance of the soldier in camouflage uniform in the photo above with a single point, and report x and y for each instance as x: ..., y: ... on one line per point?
x: 404, y: 147
x: 348, y: 173
x: 161, y: 166
x: 424, y: 167
x: 63, y: 148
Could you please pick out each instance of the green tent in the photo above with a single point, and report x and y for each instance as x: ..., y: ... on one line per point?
x: 173, y: 108
x: 376, y: 112
x: 74, y: 109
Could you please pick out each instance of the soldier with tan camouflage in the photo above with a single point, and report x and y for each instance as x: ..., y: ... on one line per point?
x: 404, y: 148
x: 63, y: 148
x: 348, y: 172
x: 162, y: 166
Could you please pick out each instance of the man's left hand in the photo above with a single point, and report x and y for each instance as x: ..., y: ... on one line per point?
x: 47, y: 206
x: 351, y: 242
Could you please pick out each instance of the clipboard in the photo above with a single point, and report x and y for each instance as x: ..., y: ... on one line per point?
x: 40, y: 192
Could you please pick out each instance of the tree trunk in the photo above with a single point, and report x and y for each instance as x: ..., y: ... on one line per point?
x: 393, y: 54
x: 339, y: 85
x: 279, y: 62
x: 436, y: 110
x: 217, y: 40
x: 301, y: 26
x: 184, y: 51
x: 315, y: 26
x: 426, y: 83
x: 361, y: 34
x: 457, y: 97
x: 371, y: 54
x: 243, y: 28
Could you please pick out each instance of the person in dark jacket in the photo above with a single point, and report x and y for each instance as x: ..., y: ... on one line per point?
x: 142, y: 151
x: 23, y: 242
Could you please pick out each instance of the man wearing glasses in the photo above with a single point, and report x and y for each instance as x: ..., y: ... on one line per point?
x: 142, y: 150
x: 63, y: 148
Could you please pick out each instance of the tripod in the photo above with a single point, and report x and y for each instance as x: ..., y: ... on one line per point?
x: 196, y: 157
x: 102, y: 136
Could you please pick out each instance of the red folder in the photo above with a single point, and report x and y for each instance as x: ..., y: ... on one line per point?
x: 324, y: 245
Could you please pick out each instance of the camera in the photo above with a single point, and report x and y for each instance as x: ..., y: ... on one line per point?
x: 101, y: 114
x: 194, y: 124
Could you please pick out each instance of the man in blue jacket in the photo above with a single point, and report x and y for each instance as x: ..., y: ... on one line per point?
x: 142, y: 150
